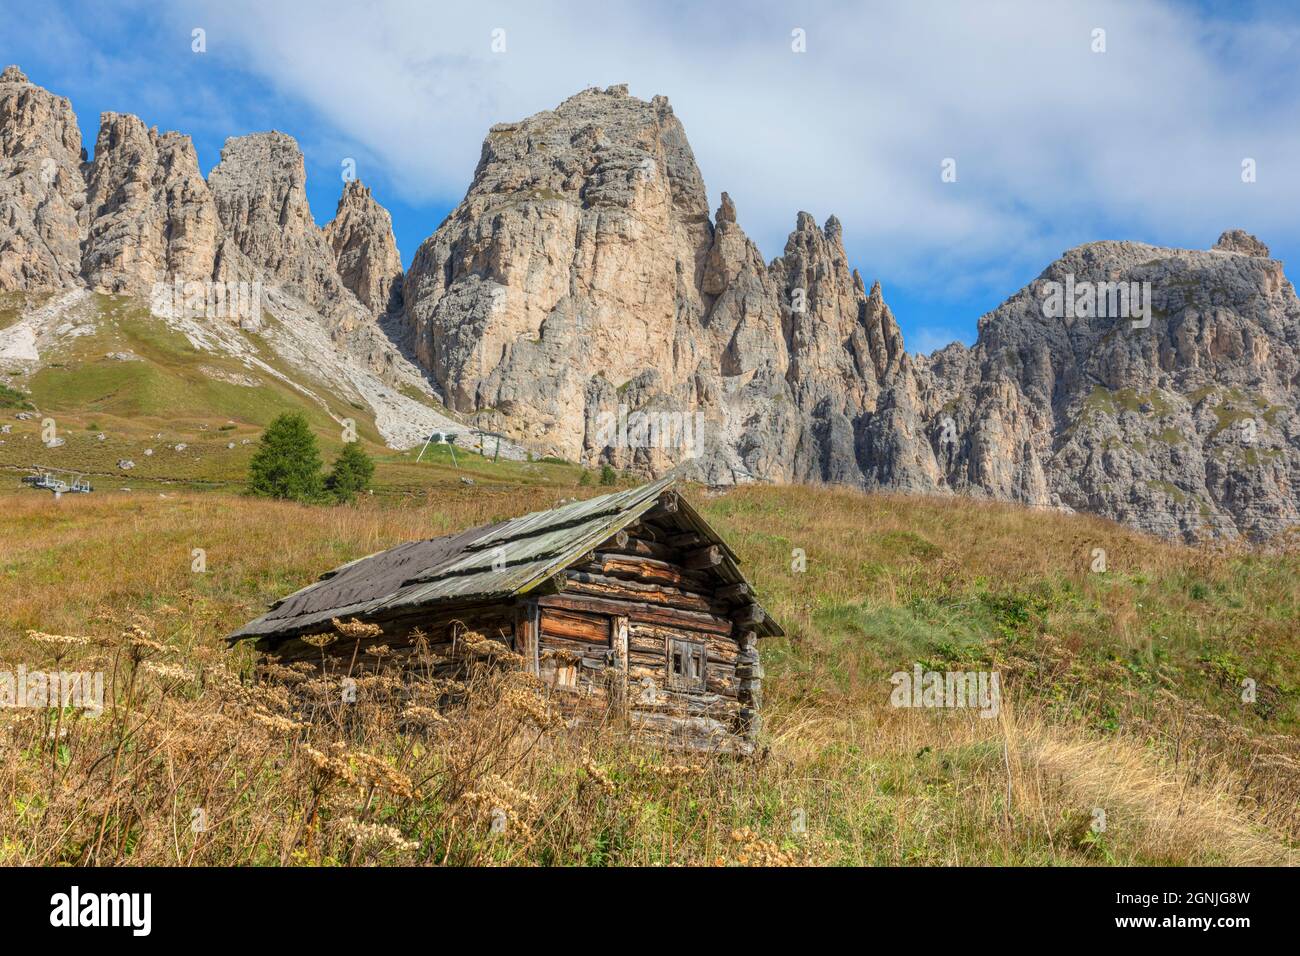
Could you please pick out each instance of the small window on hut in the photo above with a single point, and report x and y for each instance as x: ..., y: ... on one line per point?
x: 685, y: 665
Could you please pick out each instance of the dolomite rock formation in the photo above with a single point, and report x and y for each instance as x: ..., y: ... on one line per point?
x: 576, y: 254
x: 582, y: 272
x: 581, y: 282
x: 260, y: 190
x: 141, y: 220
x: 149, y: 215
x: 365, y: 252
x: 1238, y: 240
x: 582, y: 299
x: 1185, y: 426
x: 261, y: 199
x: 41, y: 188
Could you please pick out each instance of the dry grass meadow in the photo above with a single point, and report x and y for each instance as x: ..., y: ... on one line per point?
x: 1123, y: 737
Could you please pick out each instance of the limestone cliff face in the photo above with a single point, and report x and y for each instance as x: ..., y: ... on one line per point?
x: 260, y: 189
x: 140, y: 216
x: 1182, y: 422
x: 365, y: 252
x: 582, y: 274
x: 577, y: 253
x: 149, y: 215
x: 41, y: 187
x: 261, y: 199
x: 582, y: 300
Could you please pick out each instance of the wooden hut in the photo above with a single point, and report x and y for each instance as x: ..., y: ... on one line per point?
x: 627, y: 606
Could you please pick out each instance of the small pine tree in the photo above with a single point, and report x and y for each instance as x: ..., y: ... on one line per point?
x: 608, y: 475
x: 351, y: 473
x: 287, y: 462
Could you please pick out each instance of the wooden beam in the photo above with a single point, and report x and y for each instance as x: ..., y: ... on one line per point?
x: 739, y: 592
x: 750, y: 616
x: 575, y: 627
x: 709, y: 557
x: 640, y: 547
x: 618, y: 690
x: 598, y: 585
x: 637, y: 611
x: 650, y: 570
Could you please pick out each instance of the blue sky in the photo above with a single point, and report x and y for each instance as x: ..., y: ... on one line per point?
x: 1055, y: 142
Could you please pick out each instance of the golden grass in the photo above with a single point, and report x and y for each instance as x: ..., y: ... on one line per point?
x: 1121, y: 696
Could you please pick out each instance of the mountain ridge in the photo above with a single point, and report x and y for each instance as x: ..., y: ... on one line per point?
x: 584, y: 280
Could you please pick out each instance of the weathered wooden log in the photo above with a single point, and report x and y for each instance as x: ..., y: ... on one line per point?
x: 665, y: 507
x: 752, y: 671
x: 599, y: 585
x: 653, y: 639
x: 685, y: 539
x: 750, y: 615
x: 616, y: 676
x: 575, y: 626
x: 650, y: 570
x: 640, y: 611
x: 740, y: 592
x: 641, y: 547
x: 645, y: 645
x: 573, y: 650
x: 526, y: 637
x: 708, y: 557
x: 721, y: 679
x: 636, y: 673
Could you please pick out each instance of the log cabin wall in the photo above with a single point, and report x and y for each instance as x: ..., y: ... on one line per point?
x: 643, y: 631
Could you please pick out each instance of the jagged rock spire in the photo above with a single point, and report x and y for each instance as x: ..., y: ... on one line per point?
x: 365, y: 251
x: 149, y: 216
x: 41, y: 189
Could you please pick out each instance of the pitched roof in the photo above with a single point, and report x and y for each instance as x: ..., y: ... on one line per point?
x: 489, y: 562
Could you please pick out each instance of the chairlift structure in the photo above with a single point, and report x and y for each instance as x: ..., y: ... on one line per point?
x: 48, y: 479
x: 449, y: 439
x: 440, y: 438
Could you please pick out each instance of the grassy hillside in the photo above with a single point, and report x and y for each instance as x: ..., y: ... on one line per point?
x: 146, y: 388
x: 1122, y: 694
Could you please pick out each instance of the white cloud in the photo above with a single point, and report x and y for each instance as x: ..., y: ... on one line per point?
x: 1055, y: 144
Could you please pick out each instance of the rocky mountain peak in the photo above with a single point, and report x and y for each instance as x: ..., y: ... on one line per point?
x: 149, y: 216
x: 1238, y: 240
x: 581, y: 282
x: 527, y: 287
x: 141, y: 214
x: 365, y: 251
x: 41, y: 187
x: 260, y: 190
x: 726, y: 210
